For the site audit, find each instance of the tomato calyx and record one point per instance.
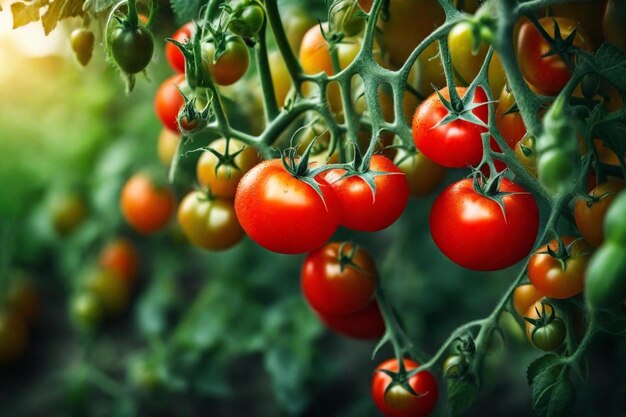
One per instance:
(592, 199)
(347, 259)
(562, 253)
(490, 188)
(401, 379)
(194, 115)
(544, 317)
(559, 45)
(548, 330)
(461, 109)
(228, 159)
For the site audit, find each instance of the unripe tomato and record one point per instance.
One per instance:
(167, 145)
(548, 336)
(86, 309)
(364, 324)
(247, 19)
(280, 77)
(131, 48)
(13, 336)
(222, 179)
(174, 57)
(68, 211)
(168, 101)
(23, 298)
(82, 41)
(605, 283)
(422, 174)
(210, 223)
(112, 291)
(589, 214)
(524, 296)
(120, 256)
(337, 281)
(396, 401)
(231, 65)
(614, 223)
(146, 206)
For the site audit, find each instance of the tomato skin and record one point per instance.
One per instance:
(614, 223)
(360, 210)
(223, 180)
(120, 256)
(231, 65)
(23, 298)
(110, 289)
(589, 215)
(82, 41)
(511, 125)
(86, 309)
(333, 291)
(248, 21)
(422, 174)
(525, 152)
(13, 336)
(280, 77)
(210, 224)
(549, 74)
(168, 101)
(174, 57)
(131, 48)
(605, 286)
(471, 230)
(524, 296)
(282, 213)
(398, 402)
(146, 206)
(547, 275)
(365, 324)
(68, 211)
(437, 143)
(166, 146)
(550, 336)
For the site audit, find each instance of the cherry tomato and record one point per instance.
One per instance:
(168, 101)
(586, 14)
(527, 155)
(132, 48)
(68, 211)
(338, 279)
(86, 309)
(247, 19)
(111, 290)
(557, 278)
(280, 77)
(283, 213)
(231, 65)
(297, 22)
(222, 179)
(508, 119)
(456, 144)
(13, 336)
(167, 145)
(548, 336)
(363, 209)
(524, 296)
(146, 206)
(477, 233)
(82, 41)
(422, 174)
(397, 401)
(120, 256)
(589, 214)
(547, 73)
(23, 298)
(174, 57)
(210, 223)
(364, 324)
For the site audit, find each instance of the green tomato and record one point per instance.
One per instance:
(550, 336)
(86, 309)
(454, 366)
(615, 221)
(247, 19)
(556, 169)
(131, 49)
(605, 279)
(344, 17)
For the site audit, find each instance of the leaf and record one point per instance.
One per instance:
(613, 134)
(553, 393)
(24, 14)
(186, 10)
(611, 64)
(539, 365)
(58, 10)
(96, 6)
(461, 395)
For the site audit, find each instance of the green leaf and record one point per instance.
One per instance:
(539, 365)
(461, 395)
(553, 393)
(611, 64)
(186, 10)
(24, 14)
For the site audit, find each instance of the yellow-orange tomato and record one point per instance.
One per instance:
(280, 77)
(167, 145)
(422, 174)
(120, 256)
(146, 206)
(524, 296)
(222, 180)
(589, 214)
(68, 211)
(509, 121)
(112, 291)
(527, 155)
(13, 336)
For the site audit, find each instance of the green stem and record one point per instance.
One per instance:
(291, 61)
(265, 76)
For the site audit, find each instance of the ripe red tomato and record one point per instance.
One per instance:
(547, 73)
(472, 230)
(231, 65)
(589, 214)
(363, 210)
(455, 144)
(397, 401)
(283, 213)
(146, 206)
(174, 57)
(554, 279)
(365, 324)
(336, 281)
(168, 101)
(121, 257)
(524, 296)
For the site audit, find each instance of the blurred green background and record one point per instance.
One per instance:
(218, 334)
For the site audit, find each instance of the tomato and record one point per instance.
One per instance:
(364, 324)
(247, 19)
(605, 286)
(174, 56)
(366, 210)
(454, 366)
(282, 213)
(167, 145)
(586, 14)
(614, 223)
(120, 256)
(131, 48)
(168, 101)
(554, 279)
(82, 41)
(146, 206)
(231, 65)
(23, 298)
(397, 401)
(589, 214)
(613, 23)
(422, 174)
(280, 77)
(86, 309)
(547, 73)
(472, 230)
(344, 17)
(524, 296)
(455, 144)
(296, 22)
(111, 290)
(68, 211)
(509, 121)
(525, 152)
(222, 178)
(430, 70)
(210, 223)
(339, 279)
(13, 336)
(549, 334)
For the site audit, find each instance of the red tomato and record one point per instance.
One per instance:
(455, 144)
(168, 101)
(283, 213)
(559, 280)
(548, 73)
(397, 401)
(338, 283)
(364, 210)
(121, 257)
(472, 230)
(365, 324)
(174, 57)
(146, 206)
(510, 124)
